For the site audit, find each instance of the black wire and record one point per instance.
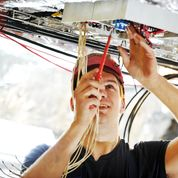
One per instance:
(6, 173)
(130, 103)
(135, 110)
(19, 25)
(9, 169)
(135, 86)
(112, 50)
(131, 115)
(138, 105)
(39, 44)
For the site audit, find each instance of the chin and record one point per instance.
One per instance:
(103, 114)
(105, 138)
(103, 120)
(102, 139)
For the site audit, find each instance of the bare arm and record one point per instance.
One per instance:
(54, 161)
(142, 65)
(166, 92)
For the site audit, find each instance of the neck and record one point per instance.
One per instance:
(108, 132)
(103, 148)
(107, 138)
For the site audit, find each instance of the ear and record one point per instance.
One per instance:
(71, 104)
(122, 109)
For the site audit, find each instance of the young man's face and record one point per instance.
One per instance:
(111, 102)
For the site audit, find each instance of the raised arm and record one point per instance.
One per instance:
(142, 65)
(53, 163)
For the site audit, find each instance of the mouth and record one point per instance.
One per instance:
(103, 107)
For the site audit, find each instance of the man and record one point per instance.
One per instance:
(111, 156)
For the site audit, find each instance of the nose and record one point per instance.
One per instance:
(103, 93)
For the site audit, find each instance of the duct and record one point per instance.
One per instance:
(132, 10)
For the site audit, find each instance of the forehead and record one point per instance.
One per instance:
(106, 76)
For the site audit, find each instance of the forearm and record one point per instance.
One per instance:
(54, 161)
(165, 91)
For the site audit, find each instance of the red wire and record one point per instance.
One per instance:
(99, 74)
(26, 47)
(50, 54)
(44, 52)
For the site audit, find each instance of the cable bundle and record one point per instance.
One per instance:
(89, 137)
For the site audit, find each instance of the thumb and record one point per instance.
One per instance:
(124, 56)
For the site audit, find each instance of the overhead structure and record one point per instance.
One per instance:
(132, 10)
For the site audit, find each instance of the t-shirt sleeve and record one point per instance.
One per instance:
(150, 159)
(34, 154)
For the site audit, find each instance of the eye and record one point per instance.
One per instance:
(110, 86)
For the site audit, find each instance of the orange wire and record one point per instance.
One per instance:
(99, 74)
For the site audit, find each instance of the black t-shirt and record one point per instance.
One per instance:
(145, 160)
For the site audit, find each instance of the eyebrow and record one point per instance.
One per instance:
(112, 81)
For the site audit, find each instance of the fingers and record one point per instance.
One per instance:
(146, 47)
(124, 55)
(91, 104)
(89, 75)
(136, 41)
(88, 93)
(141, 62)
(87, 97)
(87, 83)
(133, 35)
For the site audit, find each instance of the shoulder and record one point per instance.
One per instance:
(33, 155)
(148, 158)
(145, 146)
(151, 150)
(151, 146)
(37, 151)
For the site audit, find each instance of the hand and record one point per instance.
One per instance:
(141, 63)
(87, 98)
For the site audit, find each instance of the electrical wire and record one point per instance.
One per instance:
(38, 44)
(129, 103)
(51, 55)
(24, 46)
(137, 106)
(15, 24)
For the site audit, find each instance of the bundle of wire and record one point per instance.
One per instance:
(89, 137)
